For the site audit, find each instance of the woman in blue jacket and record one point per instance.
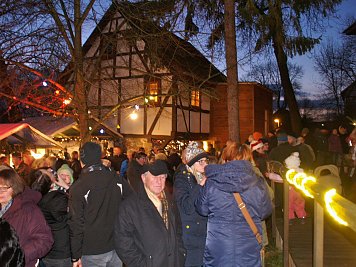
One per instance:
(230, 240)
(188, 180)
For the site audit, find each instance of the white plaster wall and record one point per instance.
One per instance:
(129, 126)
(164, 124)
(180, 120)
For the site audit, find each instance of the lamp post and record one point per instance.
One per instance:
(277, 121)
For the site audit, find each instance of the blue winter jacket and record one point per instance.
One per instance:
(186, 191)
(230, 240)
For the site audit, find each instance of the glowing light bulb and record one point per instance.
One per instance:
(133, 116)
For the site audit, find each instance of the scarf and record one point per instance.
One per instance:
(5, 208)
(160, 203)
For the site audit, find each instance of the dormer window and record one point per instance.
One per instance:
(153, 90)
(195, 98)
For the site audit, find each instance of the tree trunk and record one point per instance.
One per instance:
(232, 76)
(80, 96)
(281, 57)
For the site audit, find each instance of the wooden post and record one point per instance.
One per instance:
(318, 247)
(286, 224)
(274, 225)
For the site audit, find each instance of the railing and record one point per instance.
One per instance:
(325, 199)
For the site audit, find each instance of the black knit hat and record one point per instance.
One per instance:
(90, 153)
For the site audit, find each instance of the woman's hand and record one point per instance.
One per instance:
(203, 180)
(61, 183)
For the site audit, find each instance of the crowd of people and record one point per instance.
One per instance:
(192, 208)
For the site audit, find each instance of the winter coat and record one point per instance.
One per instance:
(134, 172)
(116, 161)
(27, 219)
(54, 206)
(281, 152)
(93, 204)
(335, 144)
(141, 237)
(186, 191)
(230, 240)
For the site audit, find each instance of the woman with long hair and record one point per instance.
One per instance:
(188, 180)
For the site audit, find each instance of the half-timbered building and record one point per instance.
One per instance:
(150, 84)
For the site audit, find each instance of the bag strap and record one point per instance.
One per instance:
(248, 218)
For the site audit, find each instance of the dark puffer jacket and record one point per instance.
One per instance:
(54, 206)
(27, 219)
(230, 240)
(186, 191)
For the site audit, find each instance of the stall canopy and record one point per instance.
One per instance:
(23, 133)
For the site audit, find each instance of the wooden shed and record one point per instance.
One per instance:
(255, 111)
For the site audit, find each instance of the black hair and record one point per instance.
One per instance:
(42, 181)
(11, 253)
(140, 155)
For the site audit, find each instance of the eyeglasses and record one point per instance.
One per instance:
(4, 188)
(203, 161)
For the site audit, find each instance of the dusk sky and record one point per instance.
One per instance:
(311, 77)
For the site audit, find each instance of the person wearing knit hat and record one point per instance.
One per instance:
(94, 199)
(194, 153)
(65, 175)
(257, 136)
(188, 180)
(256, 145)
(90, 154)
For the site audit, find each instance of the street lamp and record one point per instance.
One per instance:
(133, 115)
(277, 121)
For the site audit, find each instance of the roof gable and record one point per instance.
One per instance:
(164, 48)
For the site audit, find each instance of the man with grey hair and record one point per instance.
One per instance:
(148, 228)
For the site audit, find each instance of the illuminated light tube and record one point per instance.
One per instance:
(328, 198)
(298, 178)
(290, 174)
(309, 179)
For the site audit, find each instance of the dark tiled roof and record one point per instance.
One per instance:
(349, 91)
(351, 30)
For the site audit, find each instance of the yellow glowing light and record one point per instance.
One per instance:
(205, 145)
(277, 121)
(67, 101)
(298, 178)
(36, 155)
(309, 179)
(290, 174)
(133, 116)
(328, 198)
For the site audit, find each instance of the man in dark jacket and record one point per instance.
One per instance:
(75, 165)
(93, 204)
(148, 229)
(117, 158)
